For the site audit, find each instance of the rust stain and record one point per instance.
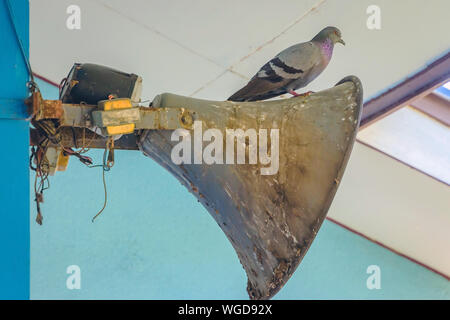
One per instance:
(45, 109)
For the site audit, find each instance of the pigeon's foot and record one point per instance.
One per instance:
(295, 94)
(306, 94)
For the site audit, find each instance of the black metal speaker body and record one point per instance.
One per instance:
(89, 83)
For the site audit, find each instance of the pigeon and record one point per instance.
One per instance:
(291, 69)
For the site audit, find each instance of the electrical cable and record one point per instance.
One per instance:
(52, 135)
(107, 164)
(32, 84)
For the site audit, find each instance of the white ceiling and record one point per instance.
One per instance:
(413, 138)
(209, 48)
(396, 206)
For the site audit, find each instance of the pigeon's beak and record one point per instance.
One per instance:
(341, 41)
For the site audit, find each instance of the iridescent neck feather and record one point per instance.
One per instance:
(327, 48)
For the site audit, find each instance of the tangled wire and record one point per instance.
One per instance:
(51, 136)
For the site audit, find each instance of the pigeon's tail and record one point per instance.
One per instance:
(242, 98)
(258, 89)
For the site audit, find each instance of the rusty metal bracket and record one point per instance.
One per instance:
(90, 116)
(44, 109)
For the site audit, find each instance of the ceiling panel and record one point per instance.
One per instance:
(223, 31)
(182, 45)
(412, 34)
(110, 39)
(413, 138)
(400, 207)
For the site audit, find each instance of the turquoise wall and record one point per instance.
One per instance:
(154, 241)
(14, 205)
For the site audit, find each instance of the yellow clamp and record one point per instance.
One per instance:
(129, 115)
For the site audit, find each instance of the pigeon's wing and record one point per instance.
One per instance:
(272, 79)
(299, 59)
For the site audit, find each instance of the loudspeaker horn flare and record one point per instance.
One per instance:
(270, 219)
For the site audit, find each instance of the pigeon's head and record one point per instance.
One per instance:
(332, 33)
